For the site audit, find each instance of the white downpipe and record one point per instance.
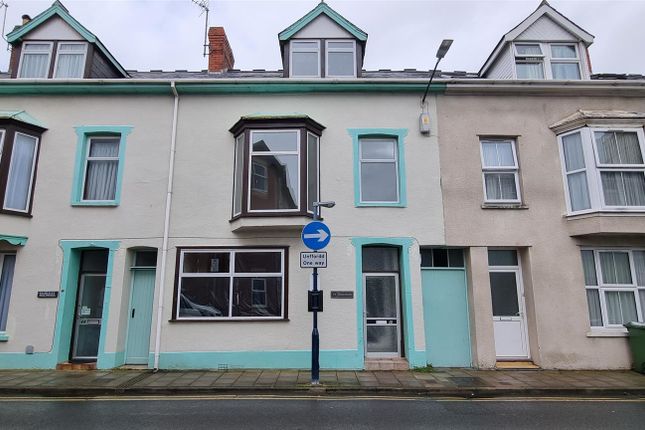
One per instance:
(166, 227)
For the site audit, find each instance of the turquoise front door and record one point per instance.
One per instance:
(140, 317)
(445, 310)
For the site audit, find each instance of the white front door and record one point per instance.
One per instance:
(509, 317)
(382, 319)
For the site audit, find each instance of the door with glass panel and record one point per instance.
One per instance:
(509, 316)
(89, 305)
(382, 302)
(89, 311)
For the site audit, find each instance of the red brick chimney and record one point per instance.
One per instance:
(220, 54)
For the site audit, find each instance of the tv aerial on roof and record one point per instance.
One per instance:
(204, 6)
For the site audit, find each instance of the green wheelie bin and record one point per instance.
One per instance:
(637, 344)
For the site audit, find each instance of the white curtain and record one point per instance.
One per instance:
(573, 153)
(6, 279)
(530, 71)
(589, 268)
(528, 50)
(593, 302)
(565, 71)
(617, 147)
(70, 66)
(615, 268)
(100, 183)
(34, 66)
(500, 186)
(639, 268)
(623, 188)
(621, 307)
(563, 51)
(22, 158)
(578, 191)
(498, 154)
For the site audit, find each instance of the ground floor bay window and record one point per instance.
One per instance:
(276, 166)
(230, 284)
(615, 285)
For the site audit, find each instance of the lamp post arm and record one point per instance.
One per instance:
(430, 81)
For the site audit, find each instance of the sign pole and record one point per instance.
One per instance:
(315, 339)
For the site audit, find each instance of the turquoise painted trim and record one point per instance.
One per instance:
(4, 337)
(121, 87)
(58, 9)
(84, 133)
(322, 7)
(67, 299)
(398, 133)
(14, 240)
(111, 360)
(297, 359)
(23, 117)
(20, 360)
(415, 358)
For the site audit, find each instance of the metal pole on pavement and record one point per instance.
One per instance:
(315, 337)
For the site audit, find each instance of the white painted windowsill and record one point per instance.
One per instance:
(608, 332)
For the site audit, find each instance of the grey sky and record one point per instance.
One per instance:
(168, 34)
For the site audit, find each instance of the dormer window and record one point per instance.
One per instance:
(35, 59)
(547, 61)
(307, 55)
(70, 60)
(305, 59)
(341, 58)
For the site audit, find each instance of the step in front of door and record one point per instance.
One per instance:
(387, 364)
(76, 366)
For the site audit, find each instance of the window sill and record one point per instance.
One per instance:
(504, 206)
(608, 332)
(108, 204)
(16, 213)
(237, 320)
(381, 205)
(4, 337)
(276, 222)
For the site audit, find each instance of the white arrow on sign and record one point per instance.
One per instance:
(321, 235)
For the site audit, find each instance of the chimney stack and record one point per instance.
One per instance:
(220, 54)
(25, 19)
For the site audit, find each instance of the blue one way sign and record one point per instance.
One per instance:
(316, 235)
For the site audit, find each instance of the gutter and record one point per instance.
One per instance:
(166, 228)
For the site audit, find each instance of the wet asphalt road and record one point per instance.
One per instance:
(326, 413)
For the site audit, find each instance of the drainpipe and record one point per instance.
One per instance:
(166, 227)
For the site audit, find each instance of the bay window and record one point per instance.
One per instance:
(276, 166)
(615, 286)
(604, 169)
(231, 284)
(19, 148)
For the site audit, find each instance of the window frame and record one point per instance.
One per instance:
(394, 160)
(58, 53)
(231, 275)
(328, 50)
(298, 153)
(242, 133)
(85, 134)
(317, 197)
(515, 169)
(3, 254)
(293, 49)
(593, 167)
(603, 287)
(546, 58)
(23, 53)
(398, 135)
(9, 129)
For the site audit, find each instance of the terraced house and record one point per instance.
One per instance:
(154, 218)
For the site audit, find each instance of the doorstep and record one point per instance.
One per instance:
(516, 365)
(76, 366)
(398, 363)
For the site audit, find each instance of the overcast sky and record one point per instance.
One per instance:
(168, 34)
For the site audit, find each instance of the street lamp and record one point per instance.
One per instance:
(424, 119)
(315, 337)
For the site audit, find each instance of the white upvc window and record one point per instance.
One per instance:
(615, 286)
(500, 171)
(230, 284)
(304, 59)
(340, 58)
(539, 60)
(22, 169)
(35, 59)
(70, 60)
(604, 169)
(379, 170)
(101, 168)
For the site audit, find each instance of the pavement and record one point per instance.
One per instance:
(464, 383)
